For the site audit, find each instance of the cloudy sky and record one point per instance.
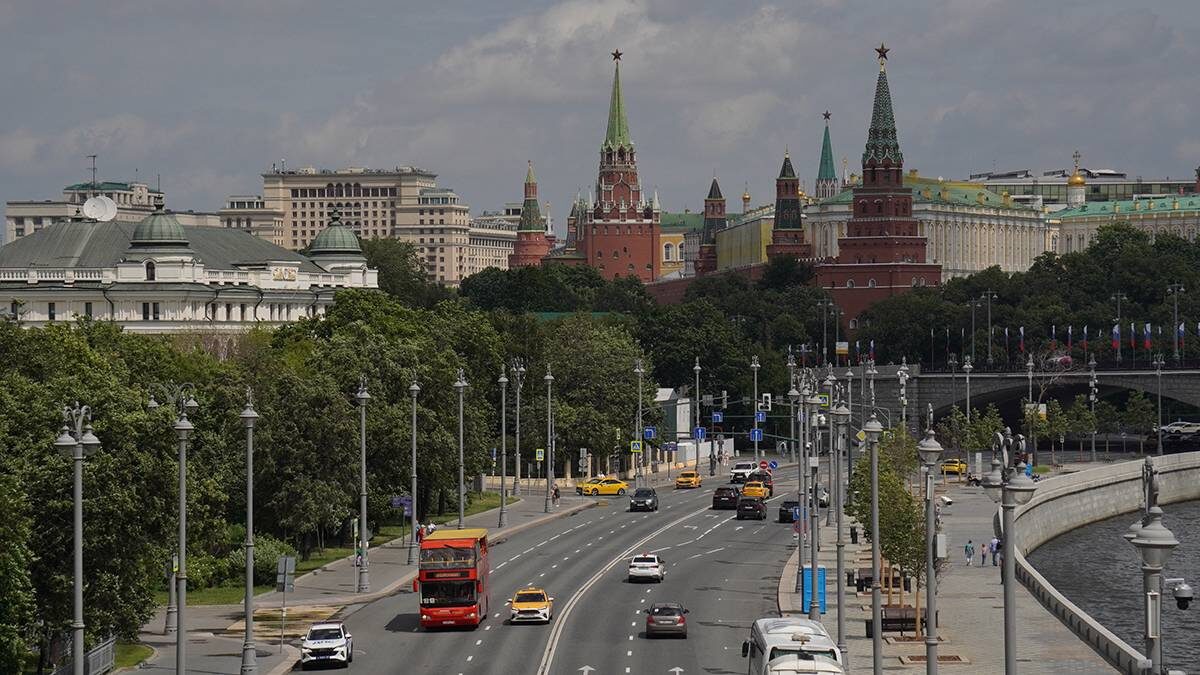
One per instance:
(208, 93)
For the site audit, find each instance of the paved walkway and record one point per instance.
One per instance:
(970, 604)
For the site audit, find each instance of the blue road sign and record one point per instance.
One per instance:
(698, 433)
(493, 454)
(397, 502)
(649, 433)
(756, 434)
(773, 464)
(795, 513)
(761, 416)
(718, 417)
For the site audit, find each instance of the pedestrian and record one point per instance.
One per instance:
(995, 546)
(969, 550)
(983, 552)
(420, 533)
(555, 494)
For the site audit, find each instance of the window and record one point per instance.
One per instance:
(849, 283)
(870, 283)
(145, 311)
(50, 313)
(853, 324)
(243, 311)
(150, 270)
(668, 252)
(87, 309)
(13, 308)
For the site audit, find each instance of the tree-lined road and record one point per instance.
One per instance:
(725, 571)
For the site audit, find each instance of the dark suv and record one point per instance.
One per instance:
(644, 499)
(751, 507)
(726, 497)
(766, 479)
(786, 515)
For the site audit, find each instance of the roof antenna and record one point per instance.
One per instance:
(93, 158)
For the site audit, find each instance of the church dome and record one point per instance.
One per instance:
(335, 239)
(1076, 179)
(158, 229)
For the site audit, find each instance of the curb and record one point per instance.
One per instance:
(290, 655)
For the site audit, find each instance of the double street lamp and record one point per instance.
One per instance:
(1093, 391)
(249, 651)
(518, 369)
(696, 407)
(1158, 364)
(754, 405)
(873, 429)
(967, 368)
(77, 441)
(362, 396)
(413, 390)
(1010, 488)
(841, 419)
(639, 461)
(183, 398)
(461, 385)
(930, 452)
(503, 381)
(549, 379)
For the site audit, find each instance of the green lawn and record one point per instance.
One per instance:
(1041, 468)
(129, 654)
(216, 595)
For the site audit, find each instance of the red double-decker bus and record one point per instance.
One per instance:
(453, 578)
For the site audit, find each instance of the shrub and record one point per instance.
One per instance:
(267, 550)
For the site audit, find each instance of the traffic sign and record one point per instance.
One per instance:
(762, 464)
(760, 416)
(401, 501)
(635, 447)
(285, 572)
(773, 465)
(539, 454)
(861, 435)
(493, 454)
(698, 433)
(718, 417)
(648, 433)
(756, 434)
(795, 513)
(824, 400)
(583, 454)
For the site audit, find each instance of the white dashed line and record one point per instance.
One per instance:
(554, 566)
(630, 637)
(470, 658)
(478, 642)
(487, 627)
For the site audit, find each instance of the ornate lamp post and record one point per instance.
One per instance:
(640, 371)
(518, 368)
(364, 579)
(791, 366)
(754, 407)
(930, 451)
(183, 398)
(872, 372)
(1010, 491)
(461, 385)
(1155, 543)
(967, 368)
(549, 379)
(841, 418)
(1118, 297)
(902, 375)
(1093, 390)
(249, 651)
(413, 390)
(873, 429)
(77, 441)
(503, 382)
(1175, 290)
(989, 295)
(1158, 364)
(696, 407)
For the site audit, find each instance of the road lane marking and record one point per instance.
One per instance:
(629, 653)
(470, 658)
(630, 637)
(487, 627)
(478, 642)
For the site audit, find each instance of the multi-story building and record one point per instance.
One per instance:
(1175, 214)
(134, 202)
(1051, 188)
(250, 213)
(158, 276)
(492, 240)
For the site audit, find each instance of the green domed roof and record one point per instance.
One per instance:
(335, 239)
(157, 229)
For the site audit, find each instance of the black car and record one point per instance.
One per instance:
(726, 498)
(765, 478)
(785, 511)
(644, 499)
(751, 507)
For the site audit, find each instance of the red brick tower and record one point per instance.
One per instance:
(714, 219)
(620, 235)
(883, 253)
(787, 235)
(531, 245)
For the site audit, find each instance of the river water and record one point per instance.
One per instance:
(1099, 571)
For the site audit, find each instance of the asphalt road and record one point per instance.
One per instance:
(724, 571)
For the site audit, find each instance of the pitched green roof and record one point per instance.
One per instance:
(531, 217)
(682, 222)
(617, 135)
(881, 138)
(105, 186)
(826, 171)
(931, 191)
(1124, 209)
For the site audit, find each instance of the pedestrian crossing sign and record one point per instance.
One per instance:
(540, 454)
(635, 447)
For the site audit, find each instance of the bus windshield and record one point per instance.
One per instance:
(447, 593)
(447, 557)
(804, 654)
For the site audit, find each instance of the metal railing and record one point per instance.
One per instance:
(100, 659)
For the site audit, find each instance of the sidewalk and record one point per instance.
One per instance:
(215, 631)
(970, 604)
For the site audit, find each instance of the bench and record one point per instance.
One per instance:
(898, 620)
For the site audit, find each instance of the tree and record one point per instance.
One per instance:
(1056, 424)
(16, 591)
(783, 272)
(1080, 420)
(953, 432)
(1108, 421)
(981, 432)
(1139, 417)
(401, 272)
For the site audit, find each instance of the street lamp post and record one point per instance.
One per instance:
(952, 361)
(549, 380)
(249, 651)
(518, 368)
(831, 470)
(801, 476)
(850, 423)
(640, 371)
(967, 368)
(77, 441)
(1158, 366)
(824, 305)
(364, 583)
(696, 406)
(413, 390)
(1011, 490)
(460, 384)
(814, 608)
(930, 451)
(791, 366)
(989, 295)
(841, 418)
(902, 375)
(1092, 392)
(183, 398)
(1118, 297)
(754, 407)
(872, 372)
(974, 304)
(1029, 414)
(1155, 543)
(873, 429)
(1174, 290)
(503, 381)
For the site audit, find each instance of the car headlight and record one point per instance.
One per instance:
(471, 615)
(305, 650)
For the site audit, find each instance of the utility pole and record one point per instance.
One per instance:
(989, 295)
(637, 368)
(549, 379)
(1118, 297)
(754, 407)
(362, 397)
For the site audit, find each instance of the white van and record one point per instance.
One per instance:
(788, 645)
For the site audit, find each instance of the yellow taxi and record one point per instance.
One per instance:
(955, 466)
(585, 488)
(688, 479)
(755, 489)
(607, 486)
(531, 605)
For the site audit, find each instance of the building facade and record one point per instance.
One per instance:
(1175, 214)
(882, 253)
(249, 213)
(1051, 189)
(134, 202)
(158, 276)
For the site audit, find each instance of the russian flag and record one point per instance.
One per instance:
(1146, 338)
(1116, 336)
(1021, 344)
(1053, 337)
(1132, 335)
(1085, 331)
(1070, 338)
(1179, 334)
(872, 350)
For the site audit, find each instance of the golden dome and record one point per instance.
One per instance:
(1076, 179)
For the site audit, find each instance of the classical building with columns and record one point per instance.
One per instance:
(967, 227)
(1175, 214)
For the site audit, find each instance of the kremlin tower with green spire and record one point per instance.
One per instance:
(532, 242)
(883, 252)
(787, 235)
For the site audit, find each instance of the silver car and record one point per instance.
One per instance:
(666, 618)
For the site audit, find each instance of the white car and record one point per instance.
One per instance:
(647, 566)
(327, 642)
(741, 471)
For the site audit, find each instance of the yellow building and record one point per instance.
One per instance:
(743, 242)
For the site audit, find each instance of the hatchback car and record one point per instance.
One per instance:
(751, 507)
(755, 489)
(647, 566)
(531, 605)
(786, 514)
(726, 498)
(327, 642)
(688, 479)
(643, 499)
(666, 618)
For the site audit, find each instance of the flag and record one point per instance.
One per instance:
(858, 349)
(1021, 344)
(1053, 338)
(1006, 342)
(1179, 333)
(1070, 338)
(1132, 335)
(1116, 336)
(1146, 338)
(1085, 338)
(872, 356)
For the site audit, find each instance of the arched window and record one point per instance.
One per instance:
(853, 324)
(150, 270)
(870, 283)
(849, 283)
(615, 254)
(668, 251)
(599, 254)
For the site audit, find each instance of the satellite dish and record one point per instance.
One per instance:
(100, 208)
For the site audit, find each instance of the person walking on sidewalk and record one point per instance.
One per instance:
(994, 545)
(969, 551)
(983, 553)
